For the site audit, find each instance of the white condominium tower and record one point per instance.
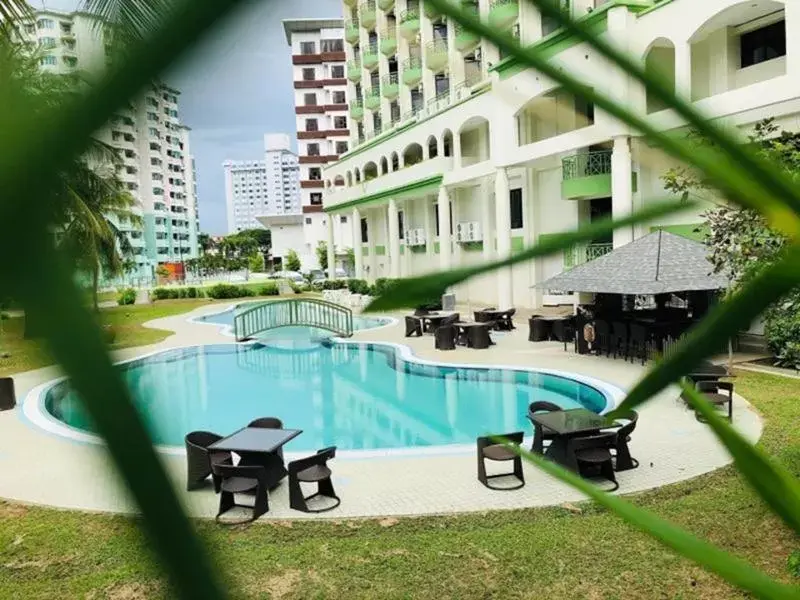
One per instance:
(157, 167)
(461, 155)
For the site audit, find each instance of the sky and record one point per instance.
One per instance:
(236, 87)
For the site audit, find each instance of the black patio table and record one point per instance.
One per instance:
(566, 424)
(431, 321)
(464, 328)
(258, 446)
(708, 371)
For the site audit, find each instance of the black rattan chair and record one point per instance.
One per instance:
(481, 316)
(489, 450)
(199, 459)
(712, 391)
(639, 342)
(504, 320)
(619, 339)
(267, 423)
(445, 337)
(593, 456)
(413, 327)
(312, 469)
(242, 479)
(541, 434)
(564, 331)
(479, 338)
(602, 337)
(622, 454)
(538, 330)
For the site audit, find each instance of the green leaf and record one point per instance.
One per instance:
(732, 569)
(776, 486)
(419, 290)
(722, 323)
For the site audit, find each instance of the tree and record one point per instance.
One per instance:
(350, 260)
(292, 261)
(205, 242)
(322, 255)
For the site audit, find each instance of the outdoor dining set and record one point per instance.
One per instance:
(450, 331)
(260, 468)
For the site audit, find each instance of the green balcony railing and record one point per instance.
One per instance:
(390, 86)
(354, 70)
(372, 98)
(580, 254)
(356, 110)
(503, 13)
(409, 24)
(412, 71)
(466, 40)
(351, 31)
(388, 42)
(586, 164)
(368, 14)
(386, 5)
(369, 56)
(436, 57)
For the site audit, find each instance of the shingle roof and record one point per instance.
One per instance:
(658, 263)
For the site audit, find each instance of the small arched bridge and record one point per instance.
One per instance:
(302, 312)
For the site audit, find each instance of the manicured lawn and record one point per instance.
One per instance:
(570, 553)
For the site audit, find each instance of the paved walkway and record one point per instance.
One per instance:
(671, 445)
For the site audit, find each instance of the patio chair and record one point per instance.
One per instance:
(312, 469)
(445, 337)
(413, 327)
(623, 461)
(489, 450)
(593, 456)
(504, 320)
(602, 337)
(538, 330)
(564, 331)
(479, 338)
(713, 392)
(421, 311)
(199, 459)
(242, 479)
(541, 434)
(481, 316)
(639, 342)
(619, 339)
(269, 423)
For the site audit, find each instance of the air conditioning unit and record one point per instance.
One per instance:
(415, 237)
(468, 231)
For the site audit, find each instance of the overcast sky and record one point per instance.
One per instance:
(235, 88)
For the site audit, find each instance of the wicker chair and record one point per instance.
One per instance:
(199, 459)
(602, 337)
(413, 327)
(504, 320)
(479, 338)
(445, 337)
(564, 331)
(482, 317)
(268, 423)
(622, 454)
(712, 391)
(593, 456)
(538, 330)
(242, 479)
(540, 433)
(489, 450)
(619, 339)
(312, 469)
(639, 342)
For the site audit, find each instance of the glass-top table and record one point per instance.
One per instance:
(572, 421)
(255, 439)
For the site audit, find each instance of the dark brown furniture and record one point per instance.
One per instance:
(639, 342)
(431, 321)
(540, 433)
(413, 326)
(490, 450)
(199, 459)
(602, 337)
(475, 335)
(268, 423)
(312, 469)
(718, 393)
(593, 456)
(623, 461)
(504, 320)
(259, 447)
(445, 337)
(538, 329)
(567, 424)
(242, 479)
(8, 398)
(564, 331)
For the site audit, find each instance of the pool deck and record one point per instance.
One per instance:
(44, 468)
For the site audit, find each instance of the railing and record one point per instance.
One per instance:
(586, 164)
(578, 255)
(413, 62)
(304, 312)
(409, 15)
(472, 11)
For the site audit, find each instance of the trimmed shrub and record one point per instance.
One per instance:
(358, 286)
(191, 292)
(269, 289)
(126, 297)
(224, 291)
(299, 289)
(334, 284)
(173, 293)
(383, 286)
(159, 294)
(782, 330)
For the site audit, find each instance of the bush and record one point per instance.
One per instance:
(334, 284)
(269, 289)
(358, 286)
(126, 297)
(299, 289)
(159, 294)
(383, 286)
(782, 330)
(224, 291)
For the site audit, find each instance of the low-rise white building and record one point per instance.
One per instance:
(461, 155)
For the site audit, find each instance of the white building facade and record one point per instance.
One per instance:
(461, 156)
(323, 127)
(156, 163)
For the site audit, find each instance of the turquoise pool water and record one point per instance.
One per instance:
(354, 396)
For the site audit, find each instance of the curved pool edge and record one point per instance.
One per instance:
(35, 412)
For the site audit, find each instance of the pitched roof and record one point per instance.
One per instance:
(658, 263)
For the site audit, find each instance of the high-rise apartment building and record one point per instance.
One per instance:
(156, 165)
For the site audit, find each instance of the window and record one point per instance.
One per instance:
(332, 45)
(45, 24)
(400, 227)
(316, 198)
(310, 99)
(515, 197)
(343, 219)
(47, 42)
(308, 48)
(308, 220)
(549, 25)
(341, 147)
(312, 150)
(339, 97)
(312, 125)
(364, 231)
(309, 74)
(315, 174)
(340, 122)
(48, 60)
(763, 44)
(337, 72)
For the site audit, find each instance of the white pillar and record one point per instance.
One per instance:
(502, 215)
(331, 249)
(683, 69)
(445, 235)
(487, 226)
(357, 244)
(622, 188)
(456, 150)
(430, 231)
(394, 239)
(372, 231)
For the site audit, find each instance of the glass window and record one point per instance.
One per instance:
(364, 231)
(312, 150)
(45, 24)
(309, 74)
(341, 147)
(343, 219)
(48, 60)
(332, 45)
(308, 220)
(308, 48)
(316, 198)
(515, 198)
(47, 42)
(339, 97)
(310, 99)
(315, 174)
(340, 122)
(400, 227)
(337, 72)
(763, 44)
(312, 125)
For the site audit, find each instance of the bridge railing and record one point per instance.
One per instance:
(306, 312)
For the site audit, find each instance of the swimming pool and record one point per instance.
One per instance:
(355, 396)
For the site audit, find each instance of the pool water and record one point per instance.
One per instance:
(354, 396)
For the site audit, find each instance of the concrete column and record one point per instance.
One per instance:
(487, 225)
(357, 244)
(456, 150)
(445, 234)
(622, 188)
(394, 239)
(502, 216)
(430, 230)
(331, 249)
(683, 69)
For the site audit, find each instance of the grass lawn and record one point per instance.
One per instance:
(583, 552)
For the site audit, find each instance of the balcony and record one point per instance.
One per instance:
(386, 5)
(578, 255)
(431, 12)
(390, 86)
(503, 14)
(412, 71)
(369, 56)
(354, 71)
(409, 25)
(466, 40)
(351, 33)
(368, 14)
(388, 42)
(350, 3)
(372, 99)
(586, 175)
(436, 57)
(356, 110)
